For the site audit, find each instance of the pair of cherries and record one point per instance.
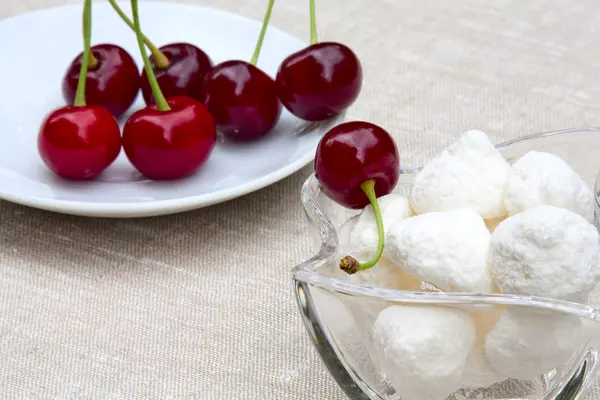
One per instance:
(79, 142)
(113, 78)
(314, 84)
(169, 139)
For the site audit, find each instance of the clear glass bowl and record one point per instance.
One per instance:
(339, 314)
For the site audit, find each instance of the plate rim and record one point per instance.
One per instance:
(170, 206)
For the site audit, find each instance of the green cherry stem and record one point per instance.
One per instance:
(161, 102)
(313, 22)
(160, 59)
(263, 31)
(92, 60)
(351, 265)
(87, 39)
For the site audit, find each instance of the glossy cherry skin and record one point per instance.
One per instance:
(242, 99)
(184, 75)
(165, 145)
(79, 143)
(113, 84)
(319, 81)
(351, 153)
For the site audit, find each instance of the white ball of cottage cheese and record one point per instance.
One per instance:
(540, 178)
(447, 249)
(423, 349)
(355, 239)
(545, 251)
(524, 344)
(470, 173)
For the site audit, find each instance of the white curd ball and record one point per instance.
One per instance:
(540, 178)
(423, 349)
(470, 173)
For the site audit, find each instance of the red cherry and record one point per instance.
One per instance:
(113, 83)
(352, 153)
(78, 143)
(242, 99)
(178, 67)
(319, 81)
(357, 162)
(183, 77)
(170, 144)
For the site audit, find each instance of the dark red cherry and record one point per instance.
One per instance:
(319, 81)
(352, 153)
(112, 83)
(187, 66)
(242, 99)
(356, 163)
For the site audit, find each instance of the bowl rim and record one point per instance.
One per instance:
(306, 271)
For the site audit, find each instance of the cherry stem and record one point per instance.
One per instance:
(161, 102)
(313, 23)
(87, 39)
(160, 59)
(350, 264)
(92, 60)
(263, 31)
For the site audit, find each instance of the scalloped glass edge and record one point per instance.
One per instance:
(306, 272)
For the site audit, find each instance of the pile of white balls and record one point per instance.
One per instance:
(474, 223)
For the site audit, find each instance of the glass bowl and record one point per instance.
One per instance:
(553, 353)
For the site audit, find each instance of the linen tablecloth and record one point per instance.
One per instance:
(200, 305)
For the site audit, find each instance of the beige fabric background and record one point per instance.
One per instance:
(200, 305)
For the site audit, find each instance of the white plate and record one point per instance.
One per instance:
(37, 48)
